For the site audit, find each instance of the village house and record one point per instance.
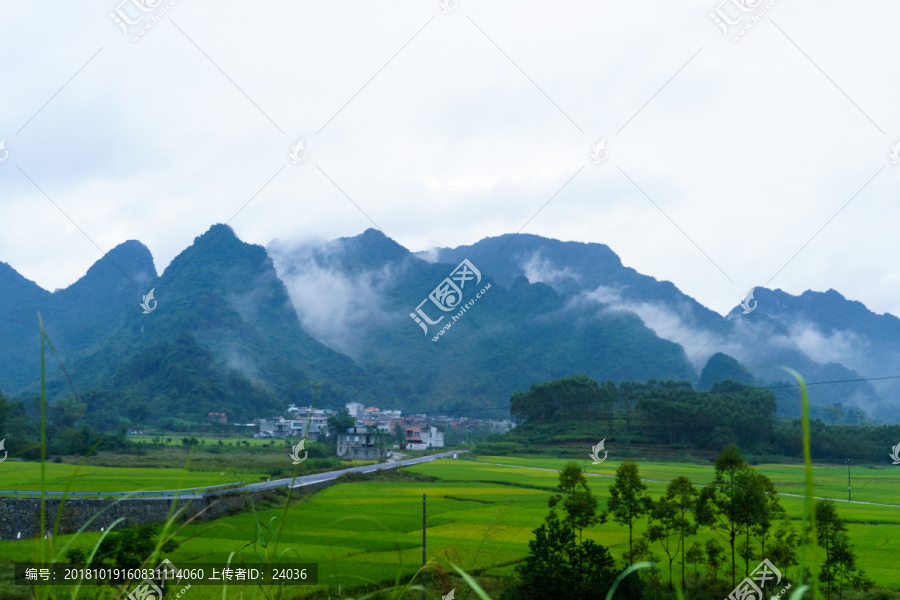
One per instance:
(358, 444)
(217, 417)
(283, 428)
(420, 438)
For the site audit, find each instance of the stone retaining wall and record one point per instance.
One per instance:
(20, 518)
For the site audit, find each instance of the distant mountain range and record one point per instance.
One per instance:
(245, 329)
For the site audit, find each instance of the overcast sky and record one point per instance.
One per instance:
(725, 158)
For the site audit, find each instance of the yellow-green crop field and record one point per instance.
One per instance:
(482, 516)
(20, 475)
(174, 439)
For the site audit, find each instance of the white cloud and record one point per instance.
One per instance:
(541, 269)
(333, 307)
(430, 256)
(667, 323)
(750, 149)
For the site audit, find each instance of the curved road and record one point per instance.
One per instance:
(329, 475)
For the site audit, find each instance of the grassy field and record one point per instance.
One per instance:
(27, 476)
(208, 464)
(20, 475)
(174, 439)
(870, 483)
(482, 516)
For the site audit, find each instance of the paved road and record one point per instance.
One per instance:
(307, 479)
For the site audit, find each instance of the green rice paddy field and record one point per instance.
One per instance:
(481, 515)
(18, 475)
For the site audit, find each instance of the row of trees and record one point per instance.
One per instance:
(65, 430)
(674, 413)
(663, 411)
(740, 505)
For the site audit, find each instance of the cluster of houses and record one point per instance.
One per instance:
(361, 441)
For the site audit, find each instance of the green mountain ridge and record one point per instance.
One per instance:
(244, 329)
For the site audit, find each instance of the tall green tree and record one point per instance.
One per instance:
(399, 432)
(682, 493)
(718, 505)
(580, 504)
(628, 501)
(559, 567)
(829, 529)
(840, 563)
(694, 556)
(339, 422)
(715, 556)
(783, 550)
(663, 526)
(754, 508)
(771, 511)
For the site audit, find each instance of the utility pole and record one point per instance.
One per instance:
(423, 548)
(849, 498)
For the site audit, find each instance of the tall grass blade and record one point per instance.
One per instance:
(626, 573)
(471, 582)
(43, 437)
(809, 516)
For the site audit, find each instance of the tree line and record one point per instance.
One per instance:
(740, 506)
(674, 413)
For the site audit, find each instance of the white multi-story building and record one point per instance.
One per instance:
(432, 436)
(355, 409)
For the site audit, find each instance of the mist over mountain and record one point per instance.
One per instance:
(519, 333)
(245, 329)
(223, 336)
(822, 335)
